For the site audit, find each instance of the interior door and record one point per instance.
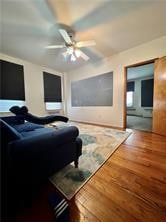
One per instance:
(159, 97)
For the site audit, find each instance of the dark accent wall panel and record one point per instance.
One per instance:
(52, 87)
(147, 93)
(11, 81)
(94, 91)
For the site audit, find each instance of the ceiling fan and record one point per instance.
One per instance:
(72, 47)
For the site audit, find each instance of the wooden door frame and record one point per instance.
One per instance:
(125, 86)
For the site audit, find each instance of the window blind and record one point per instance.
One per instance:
(11, 81)
(130, 86)
(52, 87)
(147, 93)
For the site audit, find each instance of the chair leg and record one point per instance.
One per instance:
(76, 163)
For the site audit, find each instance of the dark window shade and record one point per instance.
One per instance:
(130, 86)
(52, 88)
(12, 81)
(147, 93)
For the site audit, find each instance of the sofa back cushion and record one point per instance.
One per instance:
(13, 120)
(26, 127)
(8, 133)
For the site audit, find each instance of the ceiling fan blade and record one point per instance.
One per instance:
(65, 35)
(55, 46)
(84, 56)
(85, 43)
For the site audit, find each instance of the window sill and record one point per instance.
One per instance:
(53, 111)
(4, 114)
(150, 108)
(131, 108)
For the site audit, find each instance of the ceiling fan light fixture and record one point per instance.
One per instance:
(70, 50)
(77, 53)
(73, 58)
(72, 47)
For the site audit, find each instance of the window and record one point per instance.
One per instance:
(53, 106)
(12, 85)
(129, 99)
(130, 93)
(130, 86)
(6, 104)
(52, 91)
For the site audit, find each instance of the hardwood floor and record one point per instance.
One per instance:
(131, 186)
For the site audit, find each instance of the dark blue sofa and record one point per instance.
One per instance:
(31, 153)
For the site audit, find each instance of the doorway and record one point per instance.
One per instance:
(139, 96)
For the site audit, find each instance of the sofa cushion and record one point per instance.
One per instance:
(26, 127)
(8, 133)
(37, 132)
(13, 120)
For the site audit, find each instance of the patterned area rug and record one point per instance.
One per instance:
(98, 145)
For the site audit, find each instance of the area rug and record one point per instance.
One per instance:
(98, 145)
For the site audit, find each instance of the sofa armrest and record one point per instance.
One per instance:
(44, 141)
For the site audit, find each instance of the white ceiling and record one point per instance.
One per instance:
(140, 71)
(30, 25)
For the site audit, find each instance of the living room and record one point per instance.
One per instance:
(92, 94)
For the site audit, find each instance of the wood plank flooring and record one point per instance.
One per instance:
(131, 186)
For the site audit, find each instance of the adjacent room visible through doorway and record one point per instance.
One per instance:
(139, 97)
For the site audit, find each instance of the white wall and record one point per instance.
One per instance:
(33, 78)
(112, 116)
